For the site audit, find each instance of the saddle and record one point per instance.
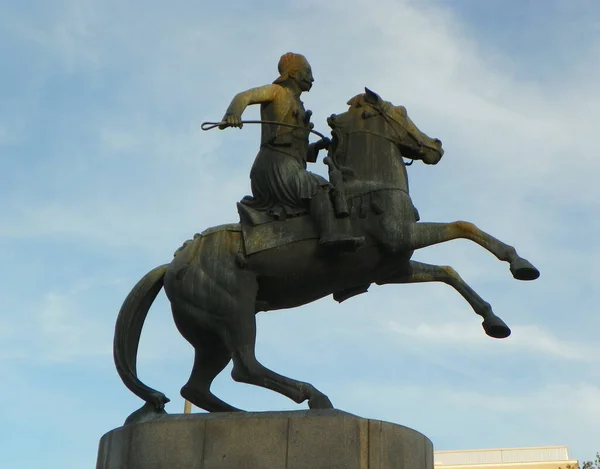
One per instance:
(263, 230)
(260, 231)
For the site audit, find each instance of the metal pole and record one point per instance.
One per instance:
(187, 407)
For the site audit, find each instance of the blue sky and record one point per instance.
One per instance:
(105, 173)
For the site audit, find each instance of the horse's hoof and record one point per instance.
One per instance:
(147, 413)
(522, 269)
(496, 328)
(320, 402)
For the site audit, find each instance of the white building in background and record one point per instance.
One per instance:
(545, 457)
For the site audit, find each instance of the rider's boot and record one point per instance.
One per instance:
(335, 235)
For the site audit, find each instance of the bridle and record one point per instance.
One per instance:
(391, 121)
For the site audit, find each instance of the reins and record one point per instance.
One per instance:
(211, 125)
(389, 119)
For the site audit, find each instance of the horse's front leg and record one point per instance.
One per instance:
(421, 235)
(418, 272)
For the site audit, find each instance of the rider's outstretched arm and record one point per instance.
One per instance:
(259, 95)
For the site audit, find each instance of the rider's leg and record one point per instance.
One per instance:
(335, 234)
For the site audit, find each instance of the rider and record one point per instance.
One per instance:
(279, 180)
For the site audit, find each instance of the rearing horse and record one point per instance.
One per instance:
(216, 286)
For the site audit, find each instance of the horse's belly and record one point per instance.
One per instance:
(296, 274)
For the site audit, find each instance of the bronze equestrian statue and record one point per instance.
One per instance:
(301, 238)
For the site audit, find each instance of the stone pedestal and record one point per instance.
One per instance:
(328, 439)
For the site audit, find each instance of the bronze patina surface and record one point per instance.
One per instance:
(301, 238)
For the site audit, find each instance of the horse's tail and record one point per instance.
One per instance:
(127, 335)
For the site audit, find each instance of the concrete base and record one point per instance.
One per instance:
(324, 439)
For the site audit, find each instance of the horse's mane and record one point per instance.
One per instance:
(357, 101)
(360, 101)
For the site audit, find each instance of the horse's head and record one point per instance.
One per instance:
(397, 127)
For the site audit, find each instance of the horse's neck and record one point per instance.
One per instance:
(371, 157)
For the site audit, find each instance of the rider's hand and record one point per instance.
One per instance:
(323, 144)
(231, 121)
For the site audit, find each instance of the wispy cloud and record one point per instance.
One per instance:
(530, 339)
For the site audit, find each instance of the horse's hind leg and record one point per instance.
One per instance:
(427, 234)
(247, 369)
(210, 359)
(214, 293)
(418, 272)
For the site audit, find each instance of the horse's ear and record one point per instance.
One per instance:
(371, 97)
